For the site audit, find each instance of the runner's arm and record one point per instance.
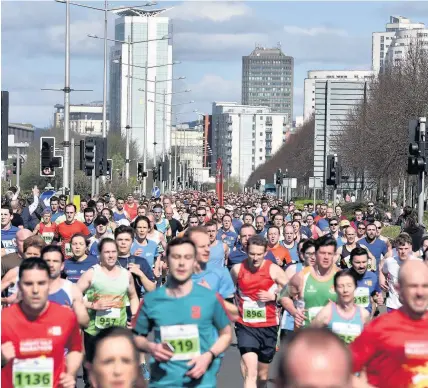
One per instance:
(226, 253)
(74, 361)
(8, 279)
(36, 230)
(85, 281)
(234, 272)
(133, 297)
(79, 307)
(322, 317)
(278, 276)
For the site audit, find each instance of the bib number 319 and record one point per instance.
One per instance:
(184, 339)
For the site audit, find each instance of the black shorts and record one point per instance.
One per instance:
(259, 340)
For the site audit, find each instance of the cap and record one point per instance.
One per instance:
(101, 220)
(229, 208)
(46, 211)
(344, 223)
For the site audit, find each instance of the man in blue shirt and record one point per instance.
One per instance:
(237, 222)
(376, 246)
(8, 231)
(89, 215)
(225, 234)
(239, 254)
(56, 212)
(261, 226)
(184, 317)
(368, 293)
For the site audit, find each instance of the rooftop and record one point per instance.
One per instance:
(264, 51)
(139, 12)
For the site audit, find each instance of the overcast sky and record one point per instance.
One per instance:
(209, 39)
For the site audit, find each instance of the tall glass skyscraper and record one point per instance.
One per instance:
(267, 80)
(136, 26)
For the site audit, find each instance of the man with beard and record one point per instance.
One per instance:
(376, 247)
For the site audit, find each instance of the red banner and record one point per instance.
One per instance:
(219, 181)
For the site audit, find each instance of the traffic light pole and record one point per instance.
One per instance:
(72, 168)
(93, 178)
(18, 165)
(421, 198)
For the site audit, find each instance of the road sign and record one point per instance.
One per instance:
(46, 196)
(290, 182)
(156, 192)
(315, 182)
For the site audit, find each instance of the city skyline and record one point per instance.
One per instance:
(209, 39)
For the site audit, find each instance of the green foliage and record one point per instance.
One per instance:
(391, 231)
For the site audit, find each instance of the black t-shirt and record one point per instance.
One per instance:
(144, 266)
(17, 220)
(176, 227)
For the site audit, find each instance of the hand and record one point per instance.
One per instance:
(223, 236)
(299, 318)
(160, 352)
(279, 261)
(383, 284)
(102, 305)
(199, 365)
(378, 298)
(138, 252)
(7, 352)
(135, 269)
(204, 283)
(266, 296)
(66, 380)
(36, 192)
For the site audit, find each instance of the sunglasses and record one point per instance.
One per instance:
(201, 214)
(334, 224)
(361, 228)
(370, 205)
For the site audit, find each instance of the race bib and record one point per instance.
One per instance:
(107, 318)
(313, 312)
(254, 312)
(48, 237)
(184, 339)
(362, 297)
(10, 246)
(67, 249)
(33, 373)
(346, 331)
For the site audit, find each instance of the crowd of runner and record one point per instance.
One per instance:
(153, 292)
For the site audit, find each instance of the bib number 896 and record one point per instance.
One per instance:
(35, 379)
(254, 314)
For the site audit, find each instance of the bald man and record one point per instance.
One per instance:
(14, 259)
(400, 358)
(328, 361)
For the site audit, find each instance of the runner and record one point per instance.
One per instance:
(80, 262)
(184, 317)
(114, 359)
(89, 215)
(12, 260)
(8, 231)
(290, 243)
(344, 317)
(162, 224)
(313, 286)
(225, 233)
(399, 359)
(108, 288)
(261, 226)
(257, 281)
(282, 254)
(35, 334)
(47, 229)
(219, 251)
(120, 213)
(101, 231)
(131, 207)
(63, 291)
(376, 247)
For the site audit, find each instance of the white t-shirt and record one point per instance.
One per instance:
(391, 268)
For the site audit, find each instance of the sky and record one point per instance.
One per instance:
(209, 39)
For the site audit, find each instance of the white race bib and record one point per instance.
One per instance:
(33, 373)
(67, 249)
(48, 237)
(184, 339)
(347, 331)
(362, 296)
(313, 312)
(254, 311)
(107, 318)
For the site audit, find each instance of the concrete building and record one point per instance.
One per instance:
(86, 119)
(267, 79)
(324, 75)
(333, 101)
(392, 43)
(245, 136)
(136, 26)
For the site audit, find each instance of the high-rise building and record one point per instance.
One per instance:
(128, 73)
(324, 75)
(391, 44)
(267, 80)
(245, 136)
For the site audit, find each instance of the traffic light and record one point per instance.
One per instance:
(109, 170)
(155, 174)
(48, 160)
(334, 171)
(88, 158)
(100, 156)
(258, 184)
(140, 171)
(14, 167)
(416, 160)
(279, 177)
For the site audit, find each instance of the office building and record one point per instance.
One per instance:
(267, 80)
(391, 44)
(245, 136)
(85, 119)
(128, 85)
(324, 75)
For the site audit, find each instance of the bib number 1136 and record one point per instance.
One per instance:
(33, 373)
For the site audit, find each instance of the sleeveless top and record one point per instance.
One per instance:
(64, 295)
(111, 289)
(253, 313)
(216, 259)
(316, 293)
(47, 233)
(287, 321)
(344, 256)
(313, 230)
(346, 329)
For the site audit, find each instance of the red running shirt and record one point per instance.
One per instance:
(394, 351)
(251, 312)
(66, 231)
(39, 345)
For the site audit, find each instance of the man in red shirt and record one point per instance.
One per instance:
(66, 230)
(35, 334)
(131, 207)
(393, 349)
